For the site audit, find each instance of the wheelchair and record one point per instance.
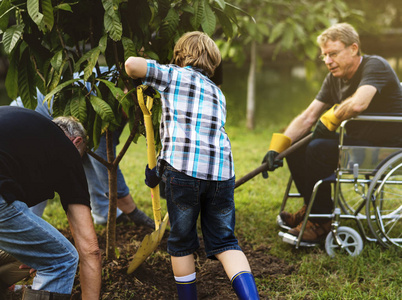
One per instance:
(367, 188)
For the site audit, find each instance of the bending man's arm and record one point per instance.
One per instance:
(86, 242)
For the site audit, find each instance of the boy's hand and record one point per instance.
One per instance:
(151, 179)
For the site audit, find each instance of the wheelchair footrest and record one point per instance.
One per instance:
(291, 239)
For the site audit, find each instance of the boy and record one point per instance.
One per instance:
(197, 162)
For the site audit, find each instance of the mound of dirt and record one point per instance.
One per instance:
(154, 278)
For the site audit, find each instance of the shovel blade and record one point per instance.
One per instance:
(148, 245)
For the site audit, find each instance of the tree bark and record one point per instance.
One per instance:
(251, 88)
(111, 219)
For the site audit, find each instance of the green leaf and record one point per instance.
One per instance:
(12, 77)
(57, 60)
(48, 17)
(152, 55)
(59, 88)
(91, 63)
(126, 102)
(78, 108)
(26, 82)
(33, 11)
(111, 20)
(5, 9)
(67, 110)
(276, 32)
(55, 76)
(11, 37)
(209, 21)
(83, 58)
(227, 26)
(97, 131)
(187, 8)
(221, 3)
(58, 107)
(196, 19)
(288, 38)
(102, 108)
(129, 48)
(63, 6)
(117, 92)
(103, 44)
(169, 24)
(311, 50)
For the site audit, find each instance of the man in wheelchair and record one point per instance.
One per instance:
(356, 84)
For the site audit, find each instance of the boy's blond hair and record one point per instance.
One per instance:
(342, 32)
(198, 50)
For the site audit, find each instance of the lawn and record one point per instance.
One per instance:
(375, 274)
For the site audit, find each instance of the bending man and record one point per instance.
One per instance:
(39, 157)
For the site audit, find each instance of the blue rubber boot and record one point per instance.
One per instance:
(244, 285)
(186, 289)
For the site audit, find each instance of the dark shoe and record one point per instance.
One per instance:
(141, 219)
(30, 294)
(292, 220)
(313, 231)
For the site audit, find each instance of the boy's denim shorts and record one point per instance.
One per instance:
(187, 197)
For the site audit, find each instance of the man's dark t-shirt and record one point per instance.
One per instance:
(37, 159)
(374, 71)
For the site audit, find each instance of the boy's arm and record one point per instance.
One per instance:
(136, 67)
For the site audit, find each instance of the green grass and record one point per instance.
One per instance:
(375, 274)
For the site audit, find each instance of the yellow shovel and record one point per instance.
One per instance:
(150, 241)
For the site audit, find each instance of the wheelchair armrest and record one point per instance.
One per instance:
(383, 117)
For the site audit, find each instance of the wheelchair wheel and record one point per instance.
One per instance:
(384, 203)
(351, 242)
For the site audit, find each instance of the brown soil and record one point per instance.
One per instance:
(154, 278)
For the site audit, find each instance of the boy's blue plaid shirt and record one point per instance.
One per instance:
(192, 130)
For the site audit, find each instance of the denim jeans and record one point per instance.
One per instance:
(36, 243)
(187, 197)
(315, 161)
(98, 181)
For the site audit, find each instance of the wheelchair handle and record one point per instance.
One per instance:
(281, 155)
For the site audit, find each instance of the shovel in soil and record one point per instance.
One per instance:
(150, 241)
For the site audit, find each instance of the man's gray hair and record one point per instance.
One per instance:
(72, 128)
(342, 32)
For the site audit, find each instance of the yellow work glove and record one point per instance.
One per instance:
(279, 143)
(327, 125)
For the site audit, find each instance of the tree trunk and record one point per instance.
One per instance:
(251, 88)
(111, 219)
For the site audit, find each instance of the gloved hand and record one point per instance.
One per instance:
(327, 125)
(279, 142)
(151, 178)
(272, 163)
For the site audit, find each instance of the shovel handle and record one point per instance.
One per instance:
(149, 132)
(281, 155)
